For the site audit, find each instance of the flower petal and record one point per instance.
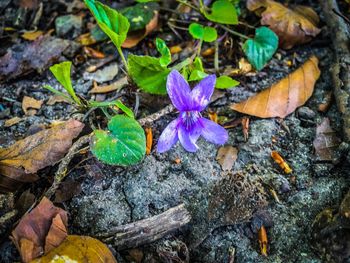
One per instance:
(179, 91)
(202, 92)
(189, 137)
(168, 137)
(213, 132)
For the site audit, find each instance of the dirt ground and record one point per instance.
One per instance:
(110, 196)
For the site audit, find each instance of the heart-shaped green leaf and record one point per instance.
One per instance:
(148, 73)
(61, 72)
(111, 22)
(123, 144)
(207, 34)
(222, 11)
(261, 49)
(225, 82)
(163, 49)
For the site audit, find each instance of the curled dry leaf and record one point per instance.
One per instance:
(20, 161)
(40, 231)
(135, 37)
(149, 140)
(115, 86)
(12, 121)
(262, 236)
(79, 249)
(326, 141)
(28, 104)
(297, 25)
(226, 157)
(282, 98)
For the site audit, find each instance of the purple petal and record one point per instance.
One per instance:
(189, 137)
(168, 137)
(202, 92)
(213, 132)
(179, 91)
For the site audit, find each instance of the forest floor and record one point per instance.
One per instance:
(99, 197)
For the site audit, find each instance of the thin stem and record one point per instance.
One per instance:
(234, 32)
(123, 58)
(184, 2)
(216, 57)
(199, 47)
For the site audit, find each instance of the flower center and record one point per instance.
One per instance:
(189, 118)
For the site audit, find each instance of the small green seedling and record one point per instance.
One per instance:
(124, 143)
(206, 34)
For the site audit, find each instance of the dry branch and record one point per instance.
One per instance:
(147, 230)
(341, 68)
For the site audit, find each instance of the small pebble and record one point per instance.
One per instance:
(306, 113)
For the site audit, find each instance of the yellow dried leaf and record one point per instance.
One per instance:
(78, 249)
(12, 121)
(115, 86)
(282, 98)
(32, 35)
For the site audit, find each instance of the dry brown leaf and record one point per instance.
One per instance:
(135, 37)
(79, 249)
(93, 53)
(41, 230)
(12, 121)
(28, 104)
(175, 49)
(22, 160)
(326, 141)
(297, 25)
(56, 99)
(282, 98)
(115, 86)
(226, 157)
(149, 140)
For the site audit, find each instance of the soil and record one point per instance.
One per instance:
(110, 196)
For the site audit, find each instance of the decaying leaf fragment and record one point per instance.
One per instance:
(226, 157)
(296, 25)
(40, 231)
(326, 141)
(149, 140)
(282, 98)
(79, 249)
(262, 236)
(281, 162)
(21, 160)
(30, 105)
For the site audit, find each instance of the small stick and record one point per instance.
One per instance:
(147, 230)
(157, 115)
(62, 168)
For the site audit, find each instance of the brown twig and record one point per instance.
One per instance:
(157, 115)
(62, 168)
(147, 230)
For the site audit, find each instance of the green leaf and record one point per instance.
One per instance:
(140, 14)
(111, 22)
(148, 73)
(222, 11)
(125, 109)
(225, 82)
(61, 72)
(123, 144)
(162, 48)
(207, 34)
(64, 95)
(261, 49)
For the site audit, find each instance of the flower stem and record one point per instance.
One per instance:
(123, 59)
(234, 32)
(199, 48)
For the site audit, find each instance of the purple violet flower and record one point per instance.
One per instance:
(190, 124)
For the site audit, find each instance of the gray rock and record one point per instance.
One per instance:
(106, 74)
(306, 113)
(68, 25)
